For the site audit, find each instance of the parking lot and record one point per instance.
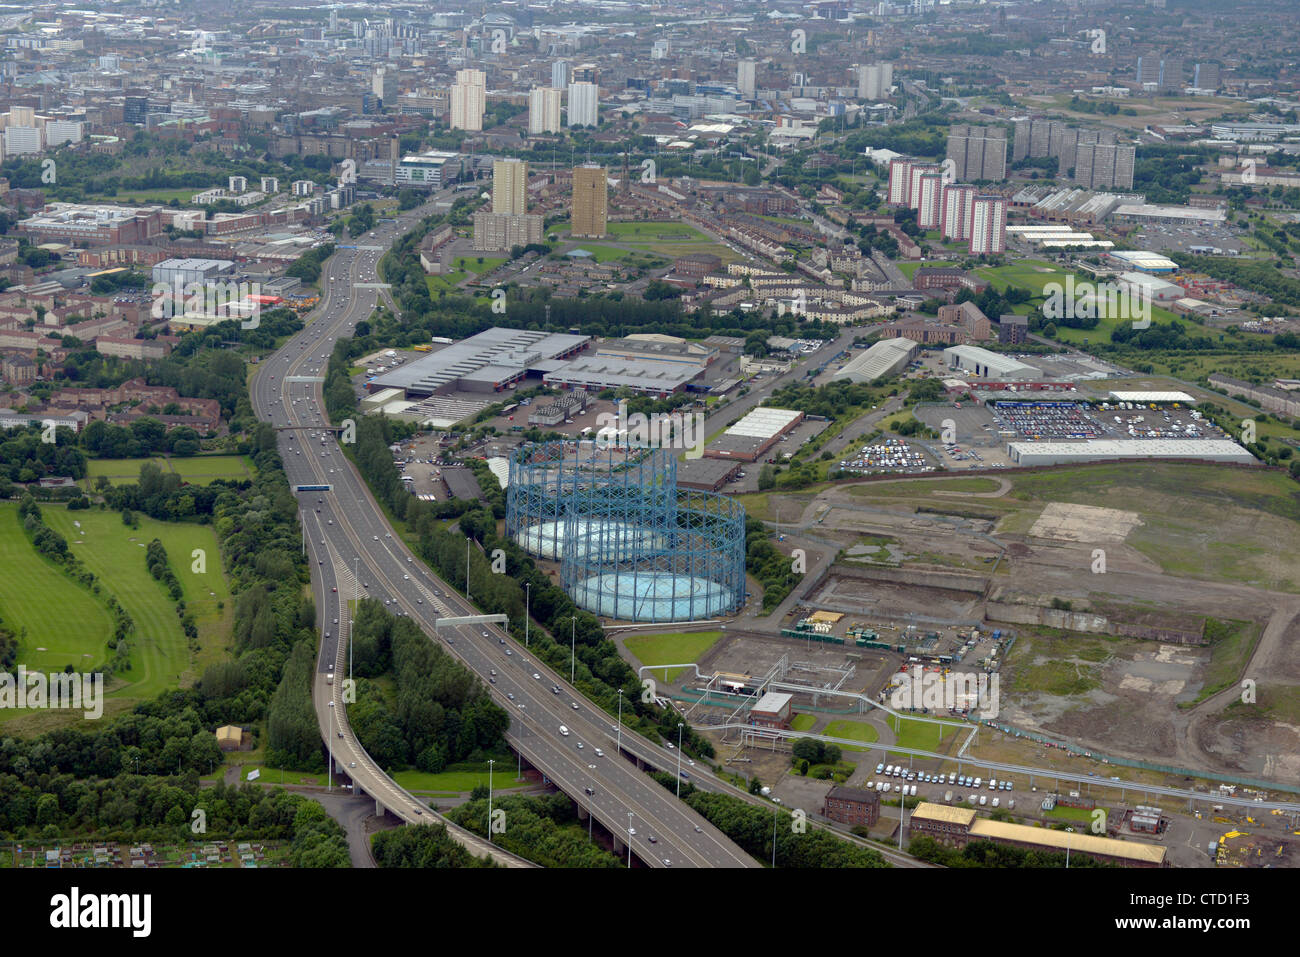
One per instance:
(889, 455)
(1047, 420)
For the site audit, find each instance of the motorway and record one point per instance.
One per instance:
(345, 529)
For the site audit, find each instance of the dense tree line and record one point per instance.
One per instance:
(442, 713)
(25, 458)
(307, 267)
(423, 847)
(155, 557)
(773, 569)
(992, 854)
(751, 827)
(543, 830)
(292, 734)
(131, 807)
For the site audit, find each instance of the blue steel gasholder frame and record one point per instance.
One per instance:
(631, 545)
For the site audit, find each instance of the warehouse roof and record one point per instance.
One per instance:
(1153, 397)
(926, 811)
(764, 422)
(1075, 841)
(883, 358)
(1219, 450)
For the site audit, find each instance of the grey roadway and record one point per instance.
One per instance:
(352, 528)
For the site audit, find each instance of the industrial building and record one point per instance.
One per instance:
(988, 365)
(431, 170)
(81, 224)
(182, 272)
(773, 710)
(707, 475)
(884, 358)
(1097, 450)
(754, 434)
(852, 806)
(959, 826)
(488, 362)
(632, 545)
(1143, 261)
(646, 376)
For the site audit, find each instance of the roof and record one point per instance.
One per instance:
(1220, 450)
(764, 422)
(772, 702)
(1076, 841)
(925, 811)
(882, 358)
(860, 795)
(1153, 397)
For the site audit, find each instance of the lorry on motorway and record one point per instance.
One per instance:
(329, 678)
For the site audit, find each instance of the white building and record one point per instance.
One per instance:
(58, 132)
(20, 140)
(746, 73)
(544, 110)
(468, 100)
(584, 102)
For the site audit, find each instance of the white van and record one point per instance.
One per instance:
(993, 784)
(564, 731)
(984, 799)
(977, 784)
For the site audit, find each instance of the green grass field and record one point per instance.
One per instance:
(160, 658)
(919, 734)
(656, 231)
(471, 264)
(855, 730)
(198, 469)
(65, 624)
(503, 778)
(803, 722)
(671, 649)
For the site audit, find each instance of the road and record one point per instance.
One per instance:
(344, 529)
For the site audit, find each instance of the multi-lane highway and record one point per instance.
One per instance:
(344, 529)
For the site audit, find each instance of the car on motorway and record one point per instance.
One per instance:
(652, 839)
(573, 705)
(589, 791)
(579, 745)
(509, 652)
(600, 753)
(510, 696)
(631, 832)
(667, 863)
(537, 676)
(564, 731)
(335, 590)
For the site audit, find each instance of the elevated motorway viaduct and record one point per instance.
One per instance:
(346, 538)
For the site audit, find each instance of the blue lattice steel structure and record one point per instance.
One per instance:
(631, 545)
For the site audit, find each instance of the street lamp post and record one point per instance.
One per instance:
(329, 781)
(352, 616)
(619, 742)
(1068, 830)
(528, 596)
(573, 654)
(776, 810)
(629, 838)
(489, 820)
(467, 541)
(680, 725)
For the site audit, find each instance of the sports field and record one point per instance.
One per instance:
(115, 553)
(198, 469)
(68, 625)
(65, 624)
(671, 649)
